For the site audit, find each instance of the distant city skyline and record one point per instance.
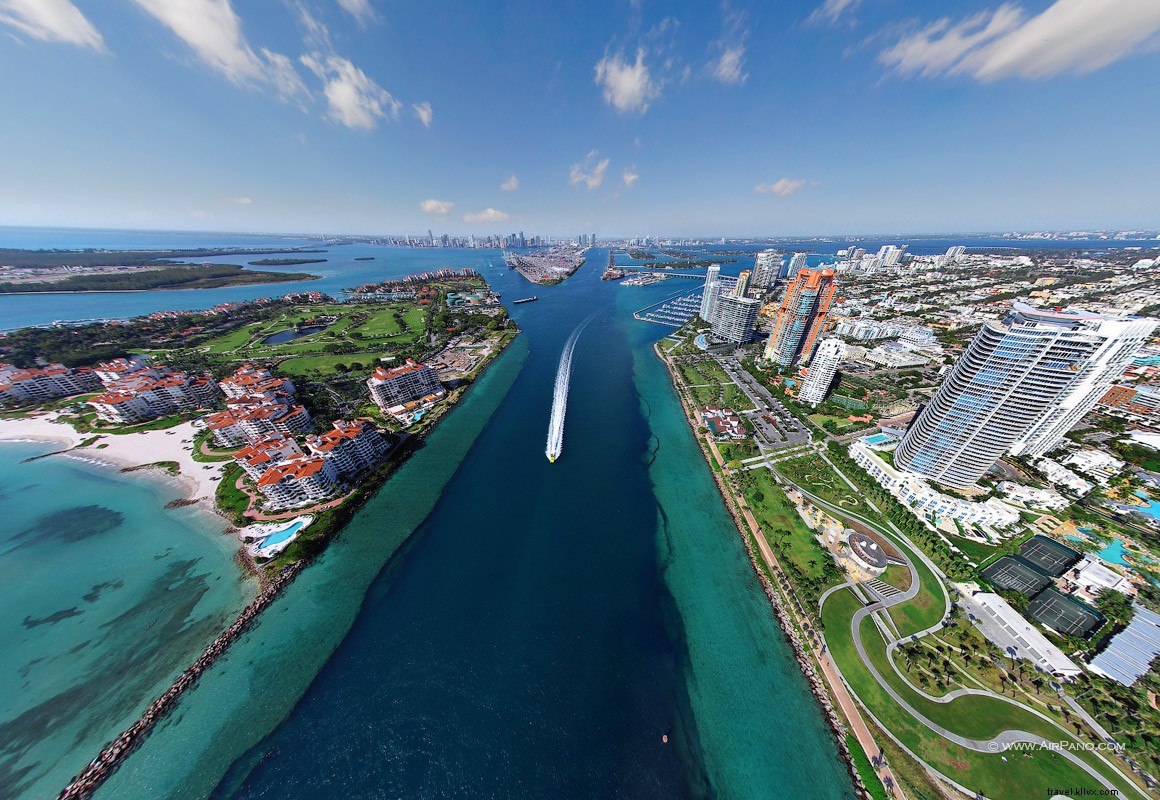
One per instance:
(814, 118)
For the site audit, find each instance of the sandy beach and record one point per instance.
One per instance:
(127, 450)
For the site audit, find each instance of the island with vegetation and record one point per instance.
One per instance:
(305, 359)
(36, 271)
(285, 262)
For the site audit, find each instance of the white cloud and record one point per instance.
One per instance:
(630, 177)
(242, 201)
(728, 67)
(627, 86)
(783, 187)
(51, 21)
(511, 184)
(424, 112)
(831, 11)
(214, 32)
(353, 99)
(1077, 36)
(487, 215)
(436, 206)
(359, 9)
(590, 171)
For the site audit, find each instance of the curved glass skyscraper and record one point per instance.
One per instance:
(1025, 381)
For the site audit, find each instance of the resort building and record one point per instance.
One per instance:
(1138, 402)
(801, 316)
(1031, 497)
(1001, 388)
(398, 386)
(895, 356)
(1096, 463)
(1113, 342)
(154, 392)
(250, 381)
(1091, 576)
(299, 480)
(734, 317)
(268, 451)
(823, 368)
(1060, 476)
(926, 503)
(723, 422)
(112, 371)
(23, 386)
(351, 446)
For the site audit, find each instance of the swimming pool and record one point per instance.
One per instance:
(879, 438)
(1152, 509)
(277, 537)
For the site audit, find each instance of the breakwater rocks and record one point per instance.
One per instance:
(110, 758)
(784, 617)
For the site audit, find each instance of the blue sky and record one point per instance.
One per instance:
(623, 118)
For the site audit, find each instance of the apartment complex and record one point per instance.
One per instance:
(25, 386)
(258, 404)
(801, 316)
(288, 477)
(710, 292)
(766, 269)
(152, 392)
(400, 391)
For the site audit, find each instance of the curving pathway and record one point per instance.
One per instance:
(995, 745)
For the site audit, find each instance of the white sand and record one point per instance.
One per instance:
(127, 450)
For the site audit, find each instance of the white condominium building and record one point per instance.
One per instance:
(766, 269)
(735, 318)
(823, 368)
(392, 387)
(1117, 339)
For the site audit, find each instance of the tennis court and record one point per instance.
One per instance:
(1012, 572)
(1063, 614)
(1048, 555)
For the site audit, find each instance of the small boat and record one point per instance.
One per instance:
(551, 459)
(525, 300)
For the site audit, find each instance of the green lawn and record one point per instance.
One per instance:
(1022, 776)
(324, 364)
(231, 501)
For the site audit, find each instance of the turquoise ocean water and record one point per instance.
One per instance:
(106, 596)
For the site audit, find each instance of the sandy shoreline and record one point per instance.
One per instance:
(127, 450)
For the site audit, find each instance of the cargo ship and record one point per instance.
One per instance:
(525, 300)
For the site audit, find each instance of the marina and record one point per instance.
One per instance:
(674, 311)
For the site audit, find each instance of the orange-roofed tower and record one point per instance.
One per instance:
(801, 317)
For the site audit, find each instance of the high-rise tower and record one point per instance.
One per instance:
(766, 268)
(1020, 385)
(742, 286)
(823, 368)
(801, 316)
(1120, 338)
(709, 295)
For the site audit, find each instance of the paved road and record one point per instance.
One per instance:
(995, 745)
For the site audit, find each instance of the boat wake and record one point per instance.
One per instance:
(560, 395)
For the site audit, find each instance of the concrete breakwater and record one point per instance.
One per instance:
(785, 620)
(106, 763)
